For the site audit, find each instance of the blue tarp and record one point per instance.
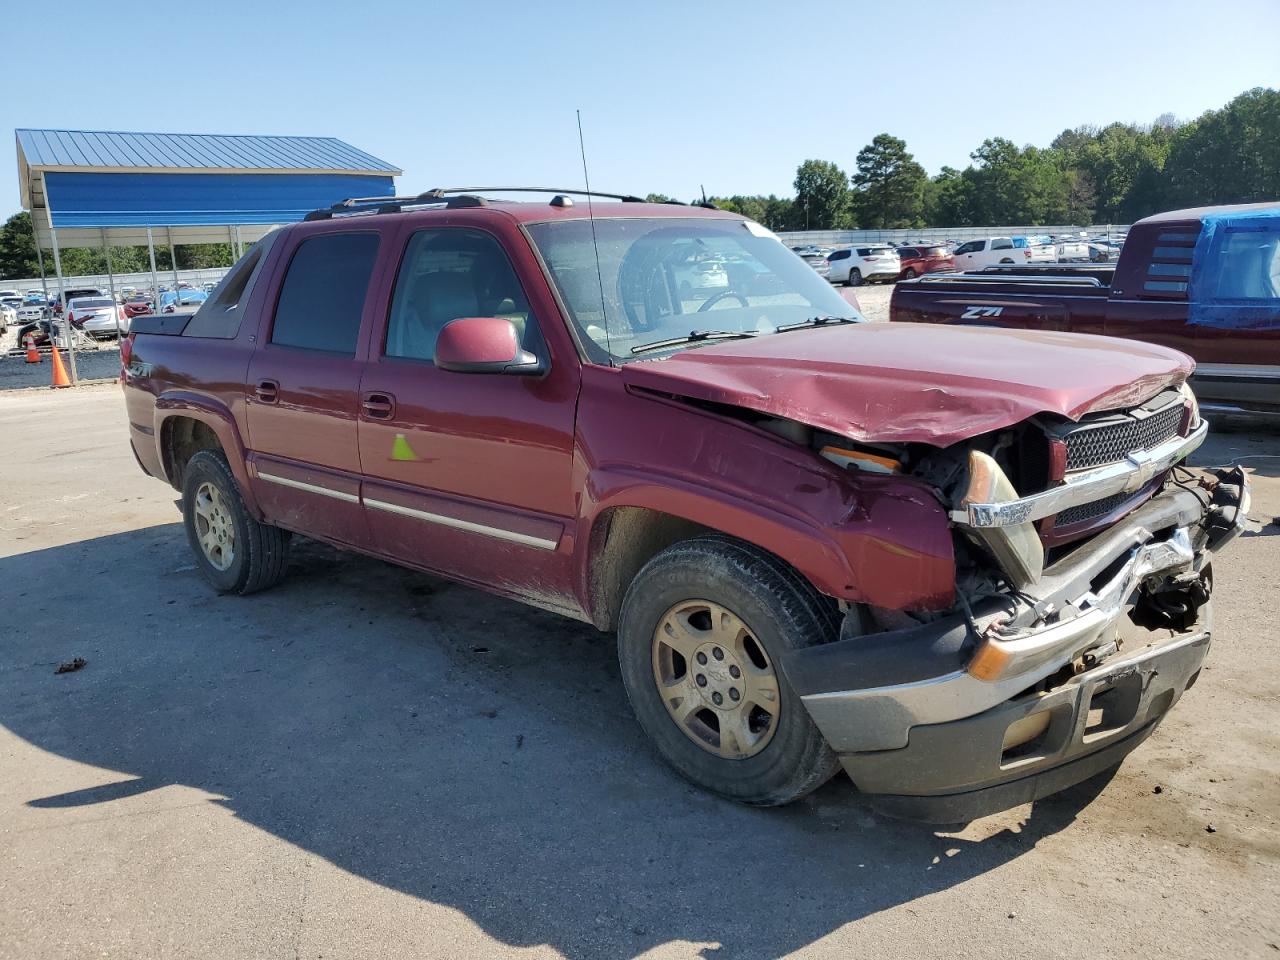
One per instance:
(199, 199)
(1235, 277)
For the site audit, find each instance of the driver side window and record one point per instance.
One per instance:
(450, 273)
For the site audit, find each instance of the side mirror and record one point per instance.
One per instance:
(484, 345)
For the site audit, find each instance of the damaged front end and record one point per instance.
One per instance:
(1082, 615)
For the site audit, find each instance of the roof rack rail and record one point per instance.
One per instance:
(452, 198)
(624, 197)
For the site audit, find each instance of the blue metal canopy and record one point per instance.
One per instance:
(83, 183)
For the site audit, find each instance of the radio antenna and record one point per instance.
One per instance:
(595, 245)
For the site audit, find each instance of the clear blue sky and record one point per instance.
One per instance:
(731, 95)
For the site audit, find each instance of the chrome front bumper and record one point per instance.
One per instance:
(910, 716)
(881, 718)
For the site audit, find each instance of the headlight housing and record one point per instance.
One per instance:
(1192, 405)
(1017, 548)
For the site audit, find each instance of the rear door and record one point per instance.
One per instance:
(302, 400)
(469, 474)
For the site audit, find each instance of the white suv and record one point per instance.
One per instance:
(861, 264)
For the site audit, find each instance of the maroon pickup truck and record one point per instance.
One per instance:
(1203, 281)
(965, 565)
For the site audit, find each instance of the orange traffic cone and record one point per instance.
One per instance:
(33, 355)
(59, 371)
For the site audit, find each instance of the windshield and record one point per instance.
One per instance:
(665, 278)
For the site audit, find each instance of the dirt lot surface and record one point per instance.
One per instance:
(367, 762)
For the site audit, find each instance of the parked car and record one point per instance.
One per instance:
(97, 316)
(815, 257)
(10, 295)
(30, 313)
(137, 305)
(858, 265)
(990, 251)
(1071, 249)
(1218, 301)
(73, 293)
(1100, 251)
(919, 260)
(182, 300)
(820, 542)
(8, 314)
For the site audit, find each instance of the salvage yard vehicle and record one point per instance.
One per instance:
(1204, 281)
(859, 265)
(991, 251)
(97, 316)
(965, 565)
(924, 258)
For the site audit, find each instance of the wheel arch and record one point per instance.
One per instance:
(623, 536)
(188, 423)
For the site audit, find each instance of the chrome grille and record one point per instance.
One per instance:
(1110, 442)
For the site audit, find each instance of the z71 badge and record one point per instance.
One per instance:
(979, 313)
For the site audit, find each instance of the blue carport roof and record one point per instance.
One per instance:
(104, 151)
(94, 180)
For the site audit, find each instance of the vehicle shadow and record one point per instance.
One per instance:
(457, 748)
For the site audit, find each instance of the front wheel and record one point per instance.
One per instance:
(909, 274)
(234, 552)
(702, 629)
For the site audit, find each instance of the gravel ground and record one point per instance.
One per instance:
(16, 373)
(368, 762)
(873, 300)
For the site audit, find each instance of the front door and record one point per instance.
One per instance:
(468, 474)
(304, 379)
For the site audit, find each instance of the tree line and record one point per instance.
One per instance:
(1113, 174)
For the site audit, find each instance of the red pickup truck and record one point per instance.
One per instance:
(965, 565)
(1204, 281)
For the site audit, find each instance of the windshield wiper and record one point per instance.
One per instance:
(814, 322)
(695, 336)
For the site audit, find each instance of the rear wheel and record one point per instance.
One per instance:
(234, 552)
(702, 629)
(909, 273)
(855, 277)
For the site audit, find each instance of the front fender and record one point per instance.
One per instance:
(219, 419)
(886, 542)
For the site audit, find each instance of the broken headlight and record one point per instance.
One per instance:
(1017, 548)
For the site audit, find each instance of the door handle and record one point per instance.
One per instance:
(378, 406)
(267, 391)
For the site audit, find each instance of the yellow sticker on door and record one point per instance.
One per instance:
(400, 450)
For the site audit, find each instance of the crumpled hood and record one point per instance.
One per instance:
(907, 382)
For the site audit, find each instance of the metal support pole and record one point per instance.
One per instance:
(111, 283)
(66, 324)
(40, 260)
(155, 277)
(173, 258)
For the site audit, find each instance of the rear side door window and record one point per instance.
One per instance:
(1002, 243)
(323, 294)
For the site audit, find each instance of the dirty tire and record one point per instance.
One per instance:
(262, 552)
(782, 611)
(855, 278)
